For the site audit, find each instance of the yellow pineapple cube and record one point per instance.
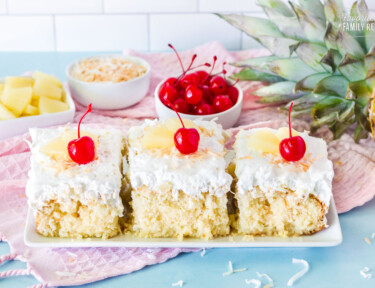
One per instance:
(35, 101)
(58, 147)
(5, 114)
(174, 124)
(283, 133)
(18, 81)
(157, 137)
(31, 110)
(2, 86)
(47, 105)
(16, 99)
(46, 88)
(264, 140)
(47, 77)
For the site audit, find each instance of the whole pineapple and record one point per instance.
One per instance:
(319, 61)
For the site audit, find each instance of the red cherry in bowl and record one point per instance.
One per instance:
(193, 94)
(82, 150)
(171, 81)
(204, 109)
(189, 79)
(292, 148)
(168, 93)
(203, 75)
(218, 85)
(233, 94)
(181, 106)
(222, 103)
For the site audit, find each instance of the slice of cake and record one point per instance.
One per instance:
(76, 199)
(279, 196)
(178, 194)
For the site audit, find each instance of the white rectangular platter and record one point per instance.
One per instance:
(331, 236)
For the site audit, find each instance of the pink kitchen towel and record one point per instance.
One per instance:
(353, 183)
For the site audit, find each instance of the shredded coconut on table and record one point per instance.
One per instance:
(65, 274)
(260, 275)
(298, 275)
(373, 235)
(365, 274)
(231, 270)
(269, 285)
(368, 241)
(179, 283)
(203, 252)
(256, 282)
(72, 254)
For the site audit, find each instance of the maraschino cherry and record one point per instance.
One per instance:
(186, 140)
(292, 148)
(82, 150)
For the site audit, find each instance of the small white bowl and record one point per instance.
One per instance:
(17, 126)
(110, 95)
(226, 118)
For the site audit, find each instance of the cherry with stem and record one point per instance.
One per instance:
(82, 149)
(186, 140)
(293, 148)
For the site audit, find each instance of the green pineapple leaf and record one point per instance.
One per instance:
(308, 83)
(333, 85)
(249, 74)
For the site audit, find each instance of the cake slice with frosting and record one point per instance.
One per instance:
(75, 183)
(178, 194)
(277, 196)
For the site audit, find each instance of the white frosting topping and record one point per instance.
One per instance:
(202, 171)
(98, 181)
(311, 175)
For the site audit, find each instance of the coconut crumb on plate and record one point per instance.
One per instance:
(231, 270)
(178, 283)
(256, 282)
(298, 275)
(365, 274)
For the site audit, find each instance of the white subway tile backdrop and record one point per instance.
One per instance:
(113, 25)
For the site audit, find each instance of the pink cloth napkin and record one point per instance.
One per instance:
(353, 184)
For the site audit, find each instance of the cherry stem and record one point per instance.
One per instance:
(202, 65)
(191, 63)
(178, 56)
(212, 69)
(235, 82)
(175, 110)
(79, 123)
(224, 71)
(290, 126)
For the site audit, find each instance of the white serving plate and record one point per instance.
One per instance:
(18, 126)
(330, 236)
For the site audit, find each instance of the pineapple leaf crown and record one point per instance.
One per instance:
(319, 61)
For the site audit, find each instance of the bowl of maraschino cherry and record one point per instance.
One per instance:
(198, 94)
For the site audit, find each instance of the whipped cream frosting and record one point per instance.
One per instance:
(202, 171)
(98, 181)
(313, 174)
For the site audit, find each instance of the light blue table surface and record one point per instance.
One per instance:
(330, 267)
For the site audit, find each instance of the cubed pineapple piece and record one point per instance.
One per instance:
(58, 147)
(18, 81)
(47, 77)
(264, 140)
(157, 137)
(2, 86)
(47, 105)
(31, 110)
(45, 88)
(35, 102)
(16, 99)
(283, 133)
(174, 124)
(5, 114)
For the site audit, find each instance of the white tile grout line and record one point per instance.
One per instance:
(148, 33)
(54, 33)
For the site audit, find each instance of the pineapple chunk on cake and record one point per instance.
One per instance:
(5, 114)
(17, 99)
(47, 105)
(18, 81)
(276, 197)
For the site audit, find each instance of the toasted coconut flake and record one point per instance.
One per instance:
(256, 282)
(179, 283)
(298, 275)
(365, 274)
(368, 241)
